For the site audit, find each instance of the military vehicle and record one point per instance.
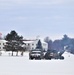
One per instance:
(36, 54)
(54, 54)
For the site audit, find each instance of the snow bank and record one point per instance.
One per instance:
(68, 56)
(23, 66)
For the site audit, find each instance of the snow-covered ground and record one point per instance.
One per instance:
(23, 66)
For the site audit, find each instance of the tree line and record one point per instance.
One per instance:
(66, 43)
(16, 44)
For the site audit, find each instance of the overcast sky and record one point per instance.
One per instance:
(30, 18)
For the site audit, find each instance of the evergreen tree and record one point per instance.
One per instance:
(39, 45)
(49, 42)
(14, 42)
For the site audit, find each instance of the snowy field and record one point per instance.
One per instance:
(23, 66)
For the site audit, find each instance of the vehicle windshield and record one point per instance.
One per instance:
(35, 52)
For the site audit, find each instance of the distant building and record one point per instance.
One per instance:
(31, 44)
(2, 45)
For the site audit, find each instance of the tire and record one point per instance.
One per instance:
(30, 58)
(61, 57)
(49, 58)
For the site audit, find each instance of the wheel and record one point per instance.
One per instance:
(30, 58)
(49, 58)
(61, 57)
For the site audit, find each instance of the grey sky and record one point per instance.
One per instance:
(30, 18)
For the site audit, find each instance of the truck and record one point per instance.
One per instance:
(36, 54)
(54, 54)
